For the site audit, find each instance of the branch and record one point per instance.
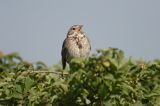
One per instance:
(58, 73)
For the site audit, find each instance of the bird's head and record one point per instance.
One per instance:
(74, 29)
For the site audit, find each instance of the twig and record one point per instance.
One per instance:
(58, 73)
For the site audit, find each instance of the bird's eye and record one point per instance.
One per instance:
(73, 28)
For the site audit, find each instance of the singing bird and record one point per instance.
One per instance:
(76, 44)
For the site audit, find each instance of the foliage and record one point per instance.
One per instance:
(105, 79)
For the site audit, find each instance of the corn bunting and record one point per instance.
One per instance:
(76, 44)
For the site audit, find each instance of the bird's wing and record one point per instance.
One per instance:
(63, 54)
(89, 42)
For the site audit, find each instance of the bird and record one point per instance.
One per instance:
(76, 44)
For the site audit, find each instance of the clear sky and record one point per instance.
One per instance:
(36, 28)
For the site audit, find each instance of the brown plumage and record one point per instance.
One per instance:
(76, 44)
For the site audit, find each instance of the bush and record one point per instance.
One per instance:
(105, 79)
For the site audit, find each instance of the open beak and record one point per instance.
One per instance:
(80, 27)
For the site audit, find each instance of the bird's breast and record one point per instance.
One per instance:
(79, 47)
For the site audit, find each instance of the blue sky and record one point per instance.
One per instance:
(36, 28)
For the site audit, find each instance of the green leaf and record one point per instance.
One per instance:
(18, 89)
(114, 63)
(28, 83)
